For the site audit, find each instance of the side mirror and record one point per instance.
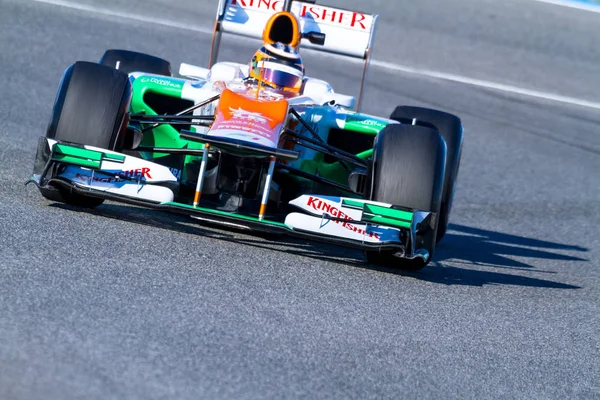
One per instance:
(193, 71)
(342, 100)
(317, 38)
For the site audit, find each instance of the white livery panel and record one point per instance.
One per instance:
(346, 223)
(95, 180)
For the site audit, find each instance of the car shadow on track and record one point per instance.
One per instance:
(461, 258)
(466, 254)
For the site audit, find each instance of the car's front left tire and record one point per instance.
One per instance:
(91, 108)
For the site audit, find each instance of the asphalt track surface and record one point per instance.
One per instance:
(125, 303)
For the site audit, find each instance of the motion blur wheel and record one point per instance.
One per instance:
(451, 129)
(90, 109)
(408, 171)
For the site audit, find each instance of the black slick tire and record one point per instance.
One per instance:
(408, 171)
(450, 127)
(131, 61)
(90, 109)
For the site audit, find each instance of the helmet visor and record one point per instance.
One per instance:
(281, 79)
(281, 76)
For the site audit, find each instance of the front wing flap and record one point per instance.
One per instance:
(109, 175)
(99, 170)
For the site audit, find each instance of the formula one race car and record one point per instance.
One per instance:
(257, 146)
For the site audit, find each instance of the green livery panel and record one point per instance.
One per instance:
(147, 88)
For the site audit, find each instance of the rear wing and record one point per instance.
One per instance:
(347, 33)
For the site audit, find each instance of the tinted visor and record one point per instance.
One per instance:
(281, 79)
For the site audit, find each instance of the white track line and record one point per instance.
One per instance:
(113, 13)
(573, 4)
(381, 64)
(487, 85)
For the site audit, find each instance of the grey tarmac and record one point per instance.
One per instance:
(126, 303)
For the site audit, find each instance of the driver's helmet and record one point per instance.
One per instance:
(278, 66)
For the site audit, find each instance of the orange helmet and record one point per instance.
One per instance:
(278, 66)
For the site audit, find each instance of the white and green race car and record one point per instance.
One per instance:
(213, 145)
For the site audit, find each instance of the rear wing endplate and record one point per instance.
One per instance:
(347, 33)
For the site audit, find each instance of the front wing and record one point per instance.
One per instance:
(109, 175)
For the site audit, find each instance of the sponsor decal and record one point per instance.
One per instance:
(143, 173)
(243, 126)
(350, 19)
(350, 226)
(345, 18)
(162, 82)
(176, 172)
(89, 178)
(250, 116)
(115, 184)
(370, 124)
(249, 119)
(271, 5)
(318, 204)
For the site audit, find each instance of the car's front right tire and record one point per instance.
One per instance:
(408, 171)
(451, 129)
